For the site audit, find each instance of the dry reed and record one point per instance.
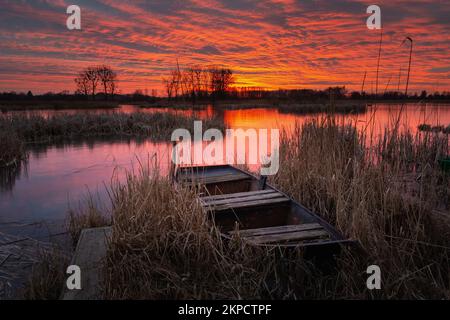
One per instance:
(38, 128)
(383, 195)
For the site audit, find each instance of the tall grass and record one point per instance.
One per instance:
(12, 150)
(87, 216)
(13, 157)
(46, 277)
(383, 195)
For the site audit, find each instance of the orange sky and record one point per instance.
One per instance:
(268, 43)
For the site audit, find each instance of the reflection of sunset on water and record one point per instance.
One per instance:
(376, 119)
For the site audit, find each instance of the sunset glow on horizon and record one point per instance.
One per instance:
(267, 43)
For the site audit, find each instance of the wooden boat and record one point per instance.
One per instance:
(241, 203)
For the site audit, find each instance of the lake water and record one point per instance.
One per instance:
(35, 201)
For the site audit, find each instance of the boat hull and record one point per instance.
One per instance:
(241, 204)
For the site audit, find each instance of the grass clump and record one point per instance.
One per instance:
(89, 216)
(47, 276)
(12, 149)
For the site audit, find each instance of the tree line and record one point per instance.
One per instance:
(197, 82)
(96, 79)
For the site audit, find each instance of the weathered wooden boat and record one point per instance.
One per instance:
(239, 202)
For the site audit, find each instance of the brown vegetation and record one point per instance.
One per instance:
(38, 128)
(383, 195)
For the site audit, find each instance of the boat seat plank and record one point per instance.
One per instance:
(271, 195)
(214, 179)
(319, 234)
(236, 195)
(277, 230)
(247, 204)
(190, 175)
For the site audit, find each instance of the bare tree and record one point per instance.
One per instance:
(168, 87)
(195, 82)
(107, 78)
(93, 79)
(172, 84)
(89, 79)
(82, 84)
(112, 88)
(220, 80)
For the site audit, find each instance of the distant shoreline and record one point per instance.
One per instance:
(55, 105)
(282, 104)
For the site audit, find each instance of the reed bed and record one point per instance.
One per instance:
(13, 157)
(428, 127)
(12, 148)
(38, 128)
(15, 105)
(384, 195)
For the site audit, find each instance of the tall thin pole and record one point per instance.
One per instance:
(364, 81)
(385, 89)
(378, 63)
(409, 65)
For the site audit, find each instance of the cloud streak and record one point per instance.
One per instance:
(269, 43)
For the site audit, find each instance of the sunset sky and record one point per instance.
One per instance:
(268, 43)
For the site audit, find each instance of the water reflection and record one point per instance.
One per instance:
(9, 175)
(61, 173)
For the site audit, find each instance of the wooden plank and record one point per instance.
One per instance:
(245, 199)
(217, 179)
(221, 178)
(291, 236)
(236, 195)
(248, 204)
(277, 230)
(90, 251)
(201, 175)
